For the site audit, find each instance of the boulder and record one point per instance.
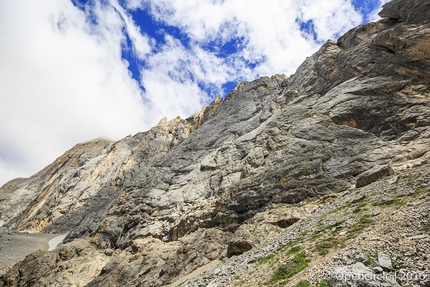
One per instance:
(374, 174)
(238, 247)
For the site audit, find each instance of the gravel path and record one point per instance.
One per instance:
(14, 247)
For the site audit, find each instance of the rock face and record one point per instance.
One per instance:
(187, 192)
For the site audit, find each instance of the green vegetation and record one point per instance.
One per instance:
(360, 207)
(317, 234)
(333, 240)
(293, 250)
(305, 283)
(290, 244)
(368, 262)
(422, 190)
(413, 177)
(237, 277)
(392, 202)
(324, 246)
(265, 259)
(323, 229)
(292, 266)
(362, 223)
(426, 227)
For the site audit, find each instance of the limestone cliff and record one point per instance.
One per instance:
(153, 207)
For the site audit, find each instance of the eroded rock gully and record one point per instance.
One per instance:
(240, 179)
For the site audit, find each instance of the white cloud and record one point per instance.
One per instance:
(141, 43)
(269, 29)
(63, 79)
(172, 76)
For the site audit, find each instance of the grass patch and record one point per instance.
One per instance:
(305, 283)
(412, 177)
(323, 247)
(298, 263)
(359, 208)
(348, 205)
(293, 250)
(426, 227)
(422, 190)
(317, 234)
(290, 244)
(395, 202)
(368, 262)
(265, 259)
(320, 232)
(362, 223)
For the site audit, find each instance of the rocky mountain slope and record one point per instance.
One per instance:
(288, 181)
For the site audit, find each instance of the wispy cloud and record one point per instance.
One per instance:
(64, 78)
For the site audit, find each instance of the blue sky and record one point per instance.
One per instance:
(74, 70)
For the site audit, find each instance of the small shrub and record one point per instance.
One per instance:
(293, 250)
(324, 247)
(362, 223)
(292, 267)
(366, 220)
(359, 207)
(265, 259)
(303, 283)
(426, 227)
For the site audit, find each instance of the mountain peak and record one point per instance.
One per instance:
(287, 178)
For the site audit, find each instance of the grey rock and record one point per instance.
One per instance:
(191, 191)
(410, 12)
(384, 200)
(384, 261)
(374, 174)
(109, 252)
(358, 199)
(393, 180)
(238, 247)
(374, 283)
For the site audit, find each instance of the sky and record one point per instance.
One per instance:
(73, 70)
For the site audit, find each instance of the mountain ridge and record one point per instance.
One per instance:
(153, 207)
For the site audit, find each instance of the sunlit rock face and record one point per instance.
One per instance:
(190, 191)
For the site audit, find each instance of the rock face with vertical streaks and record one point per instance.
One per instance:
(190, 191)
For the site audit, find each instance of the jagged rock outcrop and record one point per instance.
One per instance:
(188, 192)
